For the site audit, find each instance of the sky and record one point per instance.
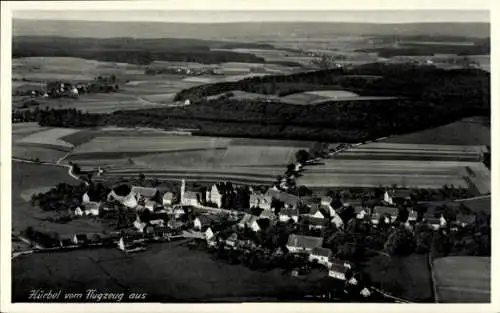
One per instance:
(198, 16)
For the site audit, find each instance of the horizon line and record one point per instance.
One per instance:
(253, 22)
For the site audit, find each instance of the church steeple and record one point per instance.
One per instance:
(183, 189)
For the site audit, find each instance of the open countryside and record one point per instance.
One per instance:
(311, 162)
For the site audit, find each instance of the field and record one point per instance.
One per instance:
(463, 279)
(31, 142)
(406, 277)
(479, 205)
(126, 152)
(468, 131)
(109, 270)
(31, 178)
(405, 165)
(320, 96)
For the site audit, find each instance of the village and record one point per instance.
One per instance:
(258, 225)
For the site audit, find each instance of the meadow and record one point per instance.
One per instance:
(191, 275)
(464, 279)
(28, 179)
(406, 277)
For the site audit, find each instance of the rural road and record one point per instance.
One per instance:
(69, 167)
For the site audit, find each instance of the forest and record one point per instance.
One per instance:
(135, 51)
(428, 97)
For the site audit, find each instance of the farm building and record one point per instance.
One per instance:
(321, 255)
(144, 192)
(299, 244)
(393, 197)
(80, 239)
(287, 214)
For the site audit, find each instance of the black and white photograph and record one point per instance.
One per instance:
(247, 156)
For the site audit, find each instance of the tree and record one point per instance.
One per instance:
(400, 242)
(303, 191)
(142, 177)
(302, 156)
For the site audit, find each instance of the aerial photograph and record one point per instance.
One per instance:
(265, 156)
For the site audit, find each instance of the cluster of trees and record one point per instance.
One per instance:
(62, 197)
(57, 117)
(47, 240)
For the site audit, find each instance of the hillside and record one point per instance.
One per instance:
(234, 30)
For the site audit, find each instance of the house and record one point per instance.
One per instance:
(338, 269)
(202, 222)
(80, 239)
(128, 199)
(91, 196)
(412, 216)
(266, 214)
(178, 212)
(157, 222)
(249, 221)
(144, 192)
(316, 212)
(313, 222)
(365, 292)
(393, 197)
(298, 244)
(150, 205)
(167, 199)
(392, 212)
(209, 234)
(128, 246)
(174, 225)
(91, 208)
(214, 195)
(337, 221)
(436, 223)
(362, 214)
(231, 240)
(321, 255)
(260, 201)
(326, 201)
(139, 225)
(78, 211)
(465, 219)
(64, 243)
(287, 214)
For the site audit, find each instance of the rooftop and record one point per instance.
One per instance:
(304, 241)
(144, 191)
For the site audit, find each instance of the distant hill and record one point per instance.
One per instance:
(99, 29)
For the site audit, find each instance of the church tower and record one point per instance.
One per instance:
(183, 189)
